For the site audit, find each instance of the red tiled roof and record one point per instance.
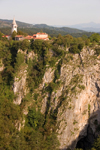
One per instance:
(19, 36)
(39, 38)
(41, 33)
(34, 34)
(29, 37)
(5, 35)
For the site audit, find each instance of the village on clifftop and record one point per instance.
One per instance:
(42, 36)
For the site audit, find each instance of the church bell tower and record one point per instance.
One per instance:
(14, 26)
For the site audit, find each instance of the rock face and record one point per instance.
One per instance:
(19, 86)
(76, 100)
(1, 66)
(80, 87)
(84, 105)
(48, 76)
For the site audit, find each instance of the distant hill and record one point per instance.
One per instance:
(5, 27)
(63, 29)
(89, 27)
(7, 23)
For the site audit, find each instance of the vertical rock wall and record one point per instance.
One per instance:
(76, 100)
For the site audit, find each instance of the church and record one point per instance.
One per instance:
(14, 26)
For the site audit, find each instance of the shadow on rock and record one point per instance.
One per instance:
(92, 130)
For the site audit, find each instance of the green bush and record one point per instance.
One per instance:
(58, 51)
(37, 46)
(97, 50)
(52, 62)
(97, 143)
(36, 96)
(82, 87)
(25, 45)
(74, 49)
(95, 37)
(80, 46)
(35, 118)
(19, 60)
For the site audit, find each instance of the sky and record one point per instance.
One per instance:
(51, 12)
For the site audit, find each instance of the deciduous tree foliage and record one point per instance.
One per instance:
(14, 34)
(95, 37)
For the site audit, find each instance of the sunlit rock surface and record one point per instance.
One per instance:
(76, 100)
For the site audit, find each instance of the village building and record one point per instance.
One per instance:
(19, 37)
(7, 36)
(29, 37)
(22, 37)
(41, 36)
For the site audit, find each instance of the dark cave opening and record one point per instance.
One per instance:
(87, 141)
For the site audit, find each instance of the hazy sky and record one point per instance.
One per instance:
(51, 12)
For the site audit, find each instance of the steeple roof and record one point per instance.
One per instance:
(14, 22)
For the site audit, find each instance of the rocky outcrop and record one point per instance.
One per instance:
(1, 66)
(19, 86)
(28, 55)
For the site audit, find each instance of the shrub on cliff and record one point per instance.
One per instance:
(97, 50)
(95, 37)
(25, 44)
(19, 60)
(74, 49)
(96, 144)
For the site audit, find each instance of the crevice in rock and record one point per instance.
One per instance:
(81, 60)
(87, 141)
(98, 89)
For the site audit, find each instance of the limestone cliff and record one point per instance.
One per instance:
(20, 87)
(75, 100)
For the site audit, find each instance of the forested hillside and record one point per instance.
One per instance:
(4, 23)
(52, 33)
(40, 84)
(5, 28)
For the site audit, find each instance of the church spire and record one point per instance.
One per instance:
(14, 26)
(14, 22)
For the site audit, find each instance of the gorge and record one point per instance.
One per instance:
(58, 94)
